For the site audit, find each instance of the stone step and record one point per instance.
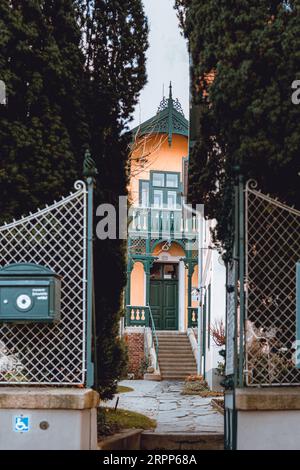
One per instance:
(178, 378)
(177, 372)
(172, 350)
(174, 339)
(172, 336)
(176, 358)
(182, 375)
(181, 362)
(178, 350)
(151, 440)
(177, 367)
(171, 333)
(175, 352)
(178, 355)
(173, 366)
(167, 341)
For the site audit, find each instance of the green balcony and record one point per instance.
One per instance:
(162, 223)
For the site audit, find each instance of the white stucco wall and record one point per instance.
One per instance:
(268, 430)
(214, 275)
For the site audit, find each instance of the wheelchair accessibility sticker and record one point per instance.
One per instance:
(21, 423)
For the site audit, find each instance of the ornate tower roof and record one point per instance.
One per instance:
(169, 119)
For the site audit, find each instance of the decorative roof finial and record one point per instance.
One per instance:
(170, 103)
(171, 94)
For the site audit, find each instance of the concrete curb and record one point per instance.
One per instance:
(129, 439)
(216, 406)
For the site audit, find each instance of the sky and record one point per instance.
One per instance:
(167, 60)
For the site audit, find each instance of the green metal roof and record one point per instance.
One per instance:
(169, 120)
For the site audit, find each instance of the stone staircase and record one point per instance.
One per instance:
(176, 358)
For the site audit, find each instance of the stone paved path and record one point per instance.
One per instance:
(174, 413)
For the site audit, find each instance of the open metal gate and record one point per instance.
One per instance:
(261, 335)
(55, 237)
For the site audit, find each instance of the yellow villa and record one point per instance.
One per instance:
(161, 293)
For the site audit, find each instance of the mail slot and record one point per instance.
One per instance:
(29, 293)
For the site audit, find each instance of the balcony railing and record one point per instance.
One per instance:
(141, 316)
(192, 317)
(137, 316)
(173, 223)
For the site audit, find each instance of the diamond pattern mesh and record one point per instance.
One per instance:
(55, 237)
(272, 250)
(138, 246)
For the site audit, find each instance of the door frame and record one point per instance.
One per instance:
(176, 261)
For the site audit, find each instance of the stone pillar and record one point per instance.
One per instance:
(147, 274)
(48, 418)
(190, 275)
(129, 269)
(266, 418)
(128, 285)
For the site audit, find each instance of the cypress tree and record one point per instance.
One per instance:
(115, 52)
(246, 116)
(73, 71)
(37, 136)
(70, 92)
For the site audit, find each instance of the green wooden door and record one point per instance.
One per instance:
(156, 303)
(164, 304)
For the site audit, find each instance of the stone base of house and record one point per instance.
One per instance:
(266, 418)
(135, 340)
(48, 418)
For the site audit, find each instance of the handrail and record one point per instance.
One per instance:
(154, 334)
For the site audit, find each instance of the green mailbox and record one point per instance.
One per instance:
(29, 293)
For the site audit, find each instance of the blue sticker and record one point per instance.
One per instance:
(21, 423)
